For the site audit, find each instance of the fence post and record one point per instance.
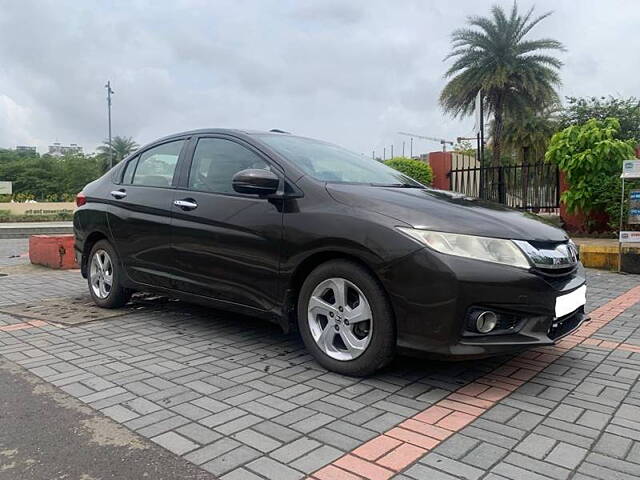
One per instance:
(480, 165)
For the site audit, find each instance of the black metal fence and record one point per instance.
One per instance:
(533, 186)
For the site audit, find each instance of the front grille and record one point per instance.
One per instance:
(556, 272)
(551, 259)
(564, 325)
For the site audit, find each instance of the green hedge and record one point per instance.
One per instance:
(7, 217)
(415, 169)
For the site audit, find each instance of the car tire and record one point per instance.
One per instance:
(103, 294)
(372, 343)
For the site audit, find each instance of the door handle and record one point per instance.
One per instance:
(186, 204)
(119, 194)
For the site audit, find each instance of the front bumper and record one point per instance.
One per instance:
(432, 295)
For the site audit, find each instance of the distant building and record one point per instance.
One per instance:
(58, 150)
(25, 149)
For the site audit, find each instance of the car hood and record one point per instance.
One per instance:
(444, 211)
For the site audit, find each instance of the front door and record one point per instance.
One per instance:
(226, 244)
(140, 223)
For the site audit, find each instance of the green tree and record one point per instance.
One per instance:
(465, 147)
(527, 134)
(626, 110)
(591, 155)
(416, 169)
(513, 73)
(121, 147)
(46, 177)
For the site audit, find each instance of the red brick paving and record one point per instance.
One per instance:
(393, 451)
(22, 326)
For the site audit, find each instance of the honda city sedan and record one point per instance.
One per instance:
(362, 260)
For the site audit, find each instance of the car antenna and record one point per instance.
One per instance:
(277, 130)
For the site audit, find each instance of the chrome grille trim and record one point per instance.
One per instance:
(550, 256)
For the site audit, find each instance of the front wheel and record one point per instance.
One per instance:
(345, 319)
(104, 275)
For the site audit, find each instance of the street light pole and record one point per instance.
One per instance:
(109, 93)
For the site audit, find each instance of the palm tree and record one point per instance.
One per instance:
(121, 147)
(513, 74)
(527, 134)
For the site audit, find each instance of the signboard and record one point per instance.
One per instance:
(478, 113)
(634, 207)
(629, 237)
(6, 188)
(631, 169)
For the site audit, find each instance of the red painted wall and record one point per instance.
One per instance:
(441, 165)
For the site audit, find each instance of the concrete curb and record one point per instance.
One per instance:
(606, 257)
(26, 229)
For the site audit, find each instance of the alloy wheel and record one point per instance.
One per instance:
(340, 319)
(101, 274)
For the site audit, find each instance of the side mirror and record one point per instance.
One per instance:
(256, 181)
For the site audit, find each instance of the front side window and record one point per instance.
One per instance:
(216, 161)
(331, 163)
(155, 167)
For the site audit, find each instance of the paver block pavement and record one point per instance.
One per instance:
(242, 400)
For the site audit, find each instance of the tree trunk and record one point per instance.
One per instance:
(498, 124)
(525, 176)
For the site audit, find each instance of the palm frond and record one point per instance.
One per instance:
(516, 74)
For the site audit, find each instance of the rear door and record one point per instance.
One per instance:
(226, 244)
(140, 223)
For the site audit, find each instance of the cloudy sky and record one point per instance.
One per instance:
(349, 71)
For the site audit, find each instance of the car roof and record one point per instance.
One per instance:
(232, 131)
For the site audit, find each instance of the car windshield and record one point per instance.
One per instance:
(331, 163)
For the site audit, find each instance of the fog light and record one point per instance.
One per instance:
(486, 321)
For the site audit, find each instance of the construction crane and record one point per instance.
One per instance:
(442, 141)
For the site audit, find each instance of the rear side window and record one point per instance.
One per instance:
(216, 161)
(155, 167)
(129, 170)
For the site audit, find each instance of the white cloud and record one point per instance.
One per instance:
(351, 72)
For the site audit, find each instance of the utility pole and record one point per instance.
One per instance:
(411, 154)
(403, 148)
(109, 93)
(391, 150)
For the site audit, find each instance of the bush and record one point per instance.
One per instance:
(415, 169)
(7, 217)
(591, 156)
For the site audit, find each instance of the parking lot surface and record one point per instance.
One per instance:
(239, 399)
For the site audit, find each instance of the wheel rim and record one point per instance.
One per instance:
(101, 274)
(340, 319)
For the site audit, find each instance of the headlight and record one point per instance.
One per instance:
(494, 250)
(576, 249)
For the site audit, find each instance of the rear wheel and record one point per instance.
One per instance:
(104, 277)
(345, 319)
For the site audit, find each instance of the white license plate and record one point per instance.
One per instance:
(566, 304)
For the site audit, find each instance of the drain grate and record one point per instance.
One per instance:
(81, 309)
